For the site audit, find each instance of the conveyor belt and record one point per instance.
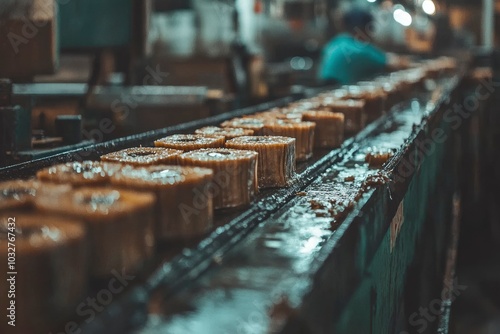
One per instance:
(249, 264)
(273, 270)
(245, 255)
(94, 151)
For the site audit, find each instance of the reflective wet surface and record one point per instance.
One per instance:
(261, 281)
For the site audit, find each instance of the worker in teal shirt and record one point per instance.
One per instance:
(349, 57)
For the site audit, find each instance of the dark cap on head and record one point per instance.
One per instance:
(357, 19)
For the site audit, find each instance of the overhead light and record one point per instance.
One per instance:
(429, 7)
(402, 17)
(371, 0)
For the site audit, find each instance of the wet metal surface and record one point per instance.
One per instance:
(259, 263)
(261, 282)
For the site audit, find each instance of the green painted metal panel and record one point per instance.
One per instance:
(359, 320)
(94, 23)
(376, 305)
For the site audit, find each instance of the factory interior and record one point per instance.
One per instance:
(249, 166)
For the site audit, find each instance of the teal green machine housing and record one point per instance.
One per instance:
(94, 23)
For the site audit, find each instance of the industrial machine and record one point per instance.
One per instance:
(96, 65)
(344, 246)
(289, 264)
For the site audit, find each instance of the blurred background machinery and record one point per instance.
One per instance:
(140, 65)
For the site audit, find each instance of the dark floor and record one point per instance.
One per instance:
(477, 309)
